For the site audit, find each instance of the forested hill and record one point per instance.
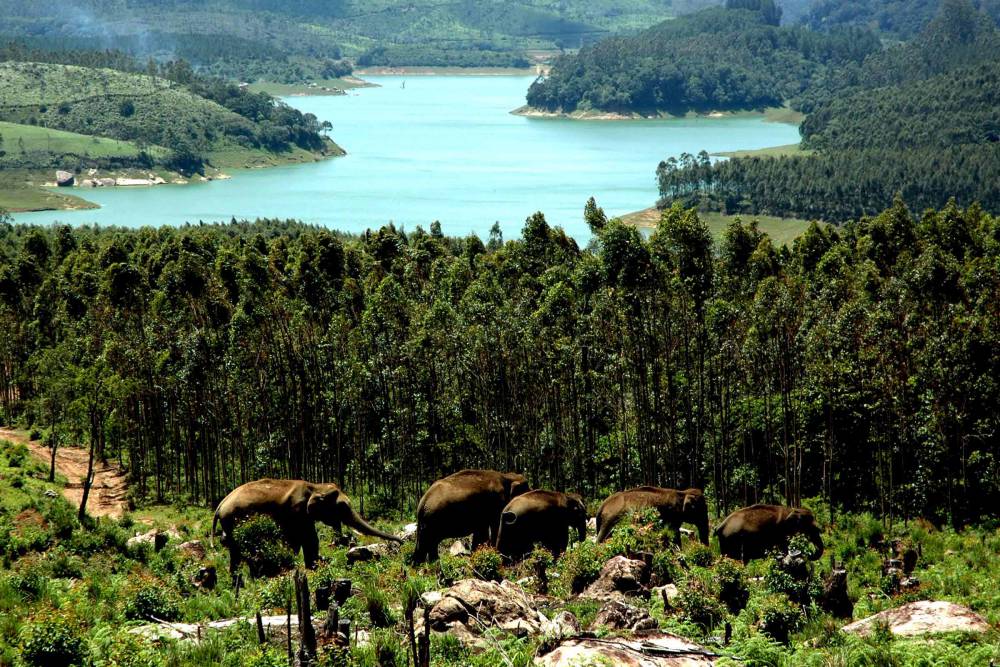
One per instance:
(920, 119)
(899, 19)
(718, 59)
(174, 117)
(291, 40)
(204, 356)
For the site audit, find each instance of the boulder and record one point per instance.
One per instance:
(458, 549)
(408, 532)
(155, 538)
(565, 624)
(619, 576)
(106, 182)
(474, 605)
(64, 179)
(367, 552)
(616, 615)
(922, 618)
(193, 549)
(89, 183)
(651, 650)
(132, 182)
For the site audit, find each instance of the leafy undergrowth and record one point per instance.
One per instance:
(69, 594)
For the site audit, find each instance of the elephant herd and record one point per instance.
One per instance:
(501, 509)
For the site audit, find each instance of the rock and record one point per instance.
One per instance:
(565, 624)
(193, 549)
(619, 576)
(592, 525)
(674, 651)
(49, 493)
(921, 618)
(409, 532)
(154, 538)
(88, 183)
(158, 632)
(667, 593)
(106, 182)
(458, 549)
(430, 598)
(367, 552)
(64, 179)
(132, 182)
(617, 615)
(476, 605)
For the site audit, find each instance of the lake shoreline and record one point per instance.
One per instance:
(770, 114)
(451, 71)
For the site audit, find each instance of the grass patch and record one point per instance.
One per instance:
(317, 87)
(28, 139)
(773, 151)
(21, 191)
(783, 231)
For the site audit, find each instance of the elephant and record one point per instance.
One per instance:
(295, 505)
(543, 517)
(751, 532)
(466, 502)
(674, 507)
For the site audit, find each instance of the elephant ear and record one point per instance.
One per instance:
(508, 518)
(515, 485)
(320, 499)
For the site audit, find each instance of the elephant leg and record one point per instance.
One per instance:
(426, 549)
(310, 547)
(234, 558)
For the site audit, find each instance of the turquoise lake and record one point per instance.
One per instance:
(442, 148)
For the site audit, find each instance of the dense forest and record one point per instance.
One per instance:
(919, 119)
(859, 366)
(730, 58)
(899, 19)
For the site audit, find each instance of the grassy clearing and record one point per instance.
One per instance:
(773, 151)
(19, 138)
(21, 191)
(87, 588)
(783, 231)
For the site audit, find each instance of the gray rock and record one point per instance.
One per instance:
(627, 652)
(64, 179)
(458, 549)
(367, 552)
(619, 576)
(193, 549)
(617, 615)
(922, 618)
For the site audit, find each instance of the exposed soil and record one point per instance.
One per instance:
(109, 490)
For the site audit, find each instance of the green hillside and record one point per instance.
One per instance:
(289, 41)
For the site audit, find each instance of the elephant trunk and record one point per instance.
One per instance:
(581, 528)
(355, 521)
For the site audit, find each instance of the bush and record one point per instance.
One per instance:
(698, 605)
(263, 547)
(17, 455)
(30, 586)
(60, 516)
(664, 569)
(485, 562)
(149, 602)
(700, 555)
(779, 617)
(52, 643)
(581, 564)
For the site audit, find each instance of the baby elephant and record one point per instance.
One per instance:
(753, 531)
(540, 517)
(674, 507)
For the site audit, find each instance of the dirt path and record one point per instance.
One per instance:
(107, 494)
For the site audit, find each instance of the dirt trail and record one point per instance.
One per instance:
(108, 492)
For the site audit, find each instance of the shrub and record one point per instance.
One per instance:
(485, 562)
(52, 643)
(700, 555)
(640, 531)
(698, 606)
(30, 585)
(731, 578)
(779, 617)
(60, 516)
(664, 569)
(582, 563)
(17, 455)
(149, 602)
(64, 565)
(35, 433)
(17, 480)
(263, 547)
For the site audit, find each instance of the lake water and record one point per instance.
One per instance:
(442, 148)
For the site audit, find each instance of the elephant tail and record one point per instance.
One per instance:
(355, 521)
